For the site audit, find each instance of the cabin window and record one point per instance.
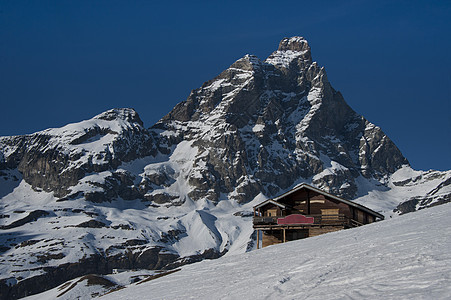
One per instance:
(271, 212)
(317, 201)
(329, 211)
(329, 214)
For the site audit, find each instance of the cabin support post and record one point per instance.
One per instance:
(284, 236)
(258, 239)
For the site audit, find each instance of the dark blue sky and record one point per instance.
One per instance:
(65, 61)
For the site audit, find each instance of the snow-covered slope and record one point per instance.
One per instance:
(402, 258)
(92, 286)
(72, 238)
(108, 193)
(406, 190)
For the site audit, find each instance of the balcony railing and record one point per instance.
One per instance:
(339, 219)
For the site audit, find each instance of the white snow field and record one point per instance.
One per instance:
(408, 257)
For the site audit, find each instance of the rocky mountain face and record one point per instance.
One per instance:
(56, 159)
(264, 125)
(108, 193)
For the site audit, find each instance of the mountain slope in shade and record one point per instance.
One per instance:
(108, 193)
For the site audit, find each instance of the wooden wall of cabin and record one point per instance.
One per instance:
(362, 216)
(271, 210)
(296, 234)
(318, 204)
(271, 237)
(298, 202)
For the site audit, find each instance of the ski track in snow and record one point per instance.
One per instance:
(402, 258)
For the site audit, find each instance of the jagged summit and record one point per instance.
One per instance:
(289, 50)
(236, 90)
(295, 49)
(296, 43)
(126, 114)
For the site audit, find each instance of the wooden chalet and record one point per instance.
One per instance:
(307, 211)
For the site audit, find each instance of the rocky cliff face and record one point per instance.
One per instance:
(108, 193)
(265, 125)
(54, 160)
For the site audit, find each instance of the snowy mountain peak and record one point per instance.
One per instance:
(296, 43)
(54, 160)
(247, 63)
(295, 49)
(126, 114)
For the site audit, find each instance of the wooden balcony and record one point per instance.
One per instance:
(334, 220)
